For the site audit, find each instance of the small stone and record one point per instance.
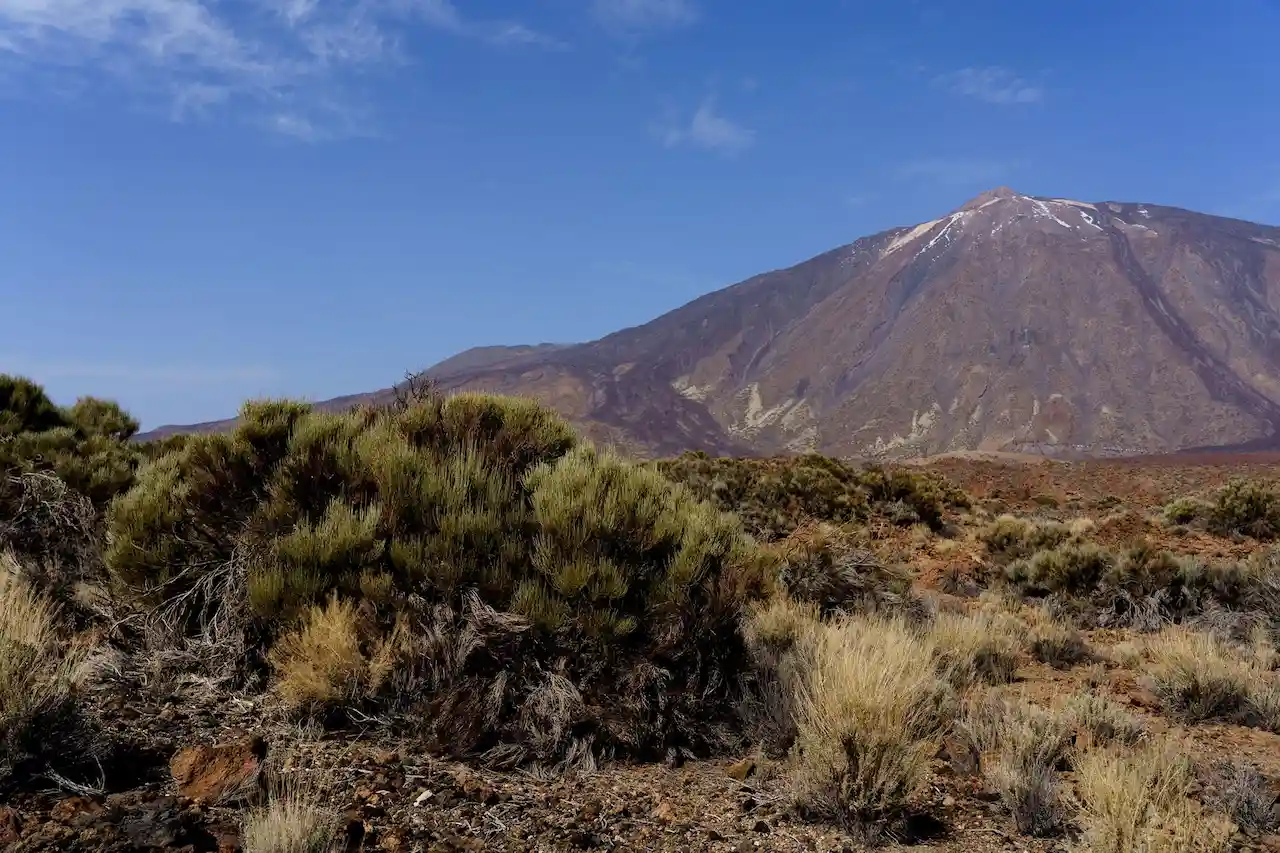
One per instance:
(741, 770)
(422, 798)
(948, 802)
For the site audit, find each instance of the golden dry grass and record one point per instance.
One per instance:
(982, 646)
(1138, 802)
(292, 820)
(37, 669)
(1198, 677)
(870, 709)
(325, 661)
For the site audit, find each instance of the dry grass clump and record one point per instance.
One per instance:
(38, 670)
(1099, 721)
(870, 709)
(1198, 677)
(1052, 641)
(979, 647)
(1138, 801)
(1027, 745)
(329, 660)
(291, 820)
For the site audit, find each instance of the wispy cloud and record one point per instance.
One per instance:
(957, 171)
(171, 375)
(992, 84)
(277, 57)
(638, 17)
(706, 129)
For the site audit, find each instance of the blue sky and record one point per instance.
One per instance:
(206, 200)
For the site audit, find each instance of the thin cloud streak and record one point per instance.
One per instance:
(276, 57)
(707, 129)
(638, 17)
(993, 84)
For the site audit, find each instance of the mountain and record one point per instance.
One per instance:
(1013, 323)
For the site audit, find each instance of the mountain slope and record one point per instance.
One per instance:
(1013, 323)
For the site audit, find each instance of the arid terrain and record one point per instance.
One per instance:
(972, 652)
(1011, 324)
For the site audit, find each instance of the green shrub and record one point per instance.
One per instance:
(1247, 508)
(774, 497)
(822, 565)
(86, 446)
(1072, 569)
(1185, 510)
(1009, 538)
(523, 563)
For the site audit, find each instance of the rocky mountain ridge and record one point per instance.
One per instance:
(1013, 323)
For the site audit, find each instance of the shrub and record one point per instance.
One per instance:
(1029, 743)
(86, 446)
(1247, 508)
(824, 565)
(1185, 510)
(870, 712)
(978, 647)
(519, 563)
(1009, 538)
(1246, 796)
(1138, 802)
(1071, 569)
(775, 496)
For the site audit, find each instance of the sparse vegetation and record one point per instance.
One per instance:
(462, 573)
(1138, 802)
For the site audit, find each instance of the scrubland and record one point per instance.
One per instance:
(449, 624)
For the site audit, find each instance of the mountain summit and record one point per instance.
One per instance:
(1014, 323)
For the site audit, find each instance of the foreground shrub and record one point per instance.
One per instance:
(870, 711)
(1072, 569)
(527, 572)
(1139, 802)
(774, 497)
(86, 446)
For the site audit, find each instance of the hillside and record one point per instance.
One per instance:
(1012, 324)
